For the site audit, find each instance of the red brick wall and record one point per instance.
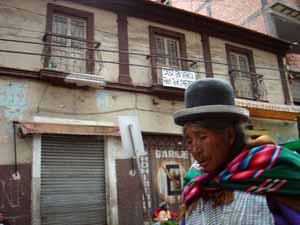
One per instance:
(257, 24)
(234, 11)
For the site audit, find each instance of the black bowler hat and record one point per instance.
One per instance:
(210, 98)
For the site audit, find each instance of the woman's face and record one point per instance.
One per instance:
(208, 147)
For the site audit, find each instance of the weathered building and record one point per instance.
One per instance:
(69, 69)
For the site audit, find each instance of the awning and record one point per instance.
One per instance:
(32, 127)
(270, 111)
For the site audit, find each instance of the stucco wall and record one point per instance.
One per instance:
(24, 99)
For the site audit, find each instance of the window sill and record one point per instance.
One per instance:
(66, 79)
(168, 93)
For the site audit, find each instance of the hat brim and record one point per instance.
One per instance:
(211, 111)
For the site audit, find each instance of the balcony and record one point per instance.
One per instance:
(76, 60)
(249, 85)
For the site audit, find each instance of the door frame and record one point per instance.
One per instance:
(110, 180)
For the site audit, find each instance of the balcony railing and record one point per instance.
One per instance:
(72, 54)
(249, 85)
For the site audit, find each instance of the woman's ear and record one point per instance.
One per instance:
(230, 135)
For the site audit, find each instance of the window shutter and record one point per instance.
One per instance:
(234, 65)
(173, 52)
(60, 26)
(295, 88)
(77, 30)
(160, 50)
(243, 61)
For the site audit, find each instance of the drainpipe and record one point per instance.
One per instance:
(16, 174)
(298, 126)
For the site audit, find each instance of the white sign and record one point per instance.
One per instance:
(177, 78)
(159, 154)
(131, 136)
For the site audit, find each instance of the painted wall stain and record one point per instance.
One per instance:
(102, 99)
(12, 100)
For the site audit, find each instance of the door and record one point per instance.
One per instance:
(72, 180)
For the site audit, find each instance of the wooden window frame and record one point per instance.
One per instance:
(88, 16)
(297, 80)
(243, 51)
(171, 34)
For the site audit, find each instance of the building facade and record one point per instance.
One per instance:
(70, 69)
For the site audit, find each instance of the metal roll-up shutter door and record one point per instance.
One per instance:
(72, 180)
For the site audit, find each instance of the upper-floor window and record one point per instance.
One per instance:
(246, 82)
(295, 88)
(168, 49)
(64, 26)
(70, 33)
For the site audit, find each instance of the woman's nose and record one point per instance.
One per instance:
(194, 147)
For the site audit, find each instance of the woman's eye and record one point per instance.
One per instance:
(188, 142)
(203, 137)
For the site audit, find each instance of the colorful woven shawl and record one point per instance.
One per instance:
(260, 170)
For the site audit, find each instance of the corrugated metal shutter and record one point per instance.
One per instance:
(72, 180)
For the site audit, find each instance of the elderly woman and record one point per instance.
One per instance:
(220, 186)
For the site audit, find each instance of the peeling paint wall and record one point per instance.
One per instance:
(12, 100)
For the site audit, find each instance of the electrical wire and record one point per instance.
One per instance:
(130, 64)
(147, 54)
(131, 53)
